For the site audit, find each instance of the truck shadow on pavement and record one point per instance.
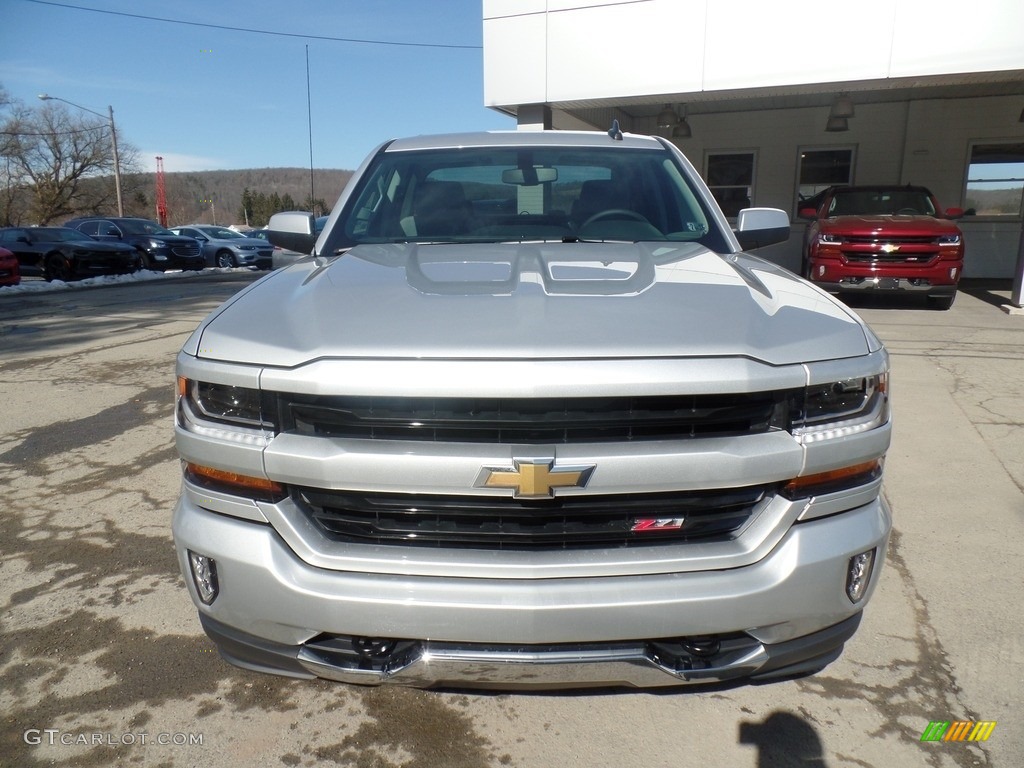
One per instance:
(784, 739)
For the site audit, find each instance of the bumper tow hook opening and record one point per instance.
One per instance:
(705, 647)
(374, 648)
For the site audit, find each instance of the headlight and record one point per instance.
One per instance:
(224, 403)
(949, 240)
(154, 244)
(827, 238)
(840, 408)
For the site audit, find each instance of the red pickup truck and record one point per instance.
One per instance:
(883, 238)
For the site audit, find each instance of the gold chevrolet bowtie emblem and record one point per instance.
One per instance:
(534, 478)
(890, 248)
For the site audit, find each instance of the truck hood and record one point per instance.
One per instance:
(892, 226)
(530, 301)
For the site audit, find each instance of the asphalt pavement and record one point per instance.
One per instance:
(102, 660)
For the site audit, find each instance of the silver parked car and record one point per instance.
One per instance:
(529, 416)
(223, 247)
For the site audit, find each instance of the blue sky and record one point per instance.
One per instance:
(206, 98)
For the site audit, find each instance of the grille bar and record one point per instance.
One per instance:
(916, 259)
(573, 522)
(894, 240)
(539, 420)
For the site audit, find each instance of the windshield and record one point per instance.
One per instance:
(496, 194)
(881, 202)
(58, 234)
(142, 227)
(219, 233)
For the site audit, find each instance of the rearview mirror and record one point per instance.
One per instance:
(530, 176)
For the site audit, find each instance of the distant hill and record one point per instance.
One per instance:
(215, 197)
(992, 202)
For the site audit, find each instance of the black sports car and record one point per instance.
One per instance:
(65, 254)
(159, 248)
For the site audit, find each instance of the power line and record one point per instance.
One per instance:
(55, 133)
(256, 31)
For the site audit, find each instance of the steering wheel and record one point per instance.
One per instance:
(621, 213)
(908, 212)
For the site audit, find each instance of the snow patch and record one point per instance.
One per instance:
(142, 276)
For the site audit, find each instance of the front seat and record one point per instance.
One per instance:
(440, 209)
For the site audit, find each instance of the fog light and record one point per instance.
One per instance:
(858, 575)
(204, 576)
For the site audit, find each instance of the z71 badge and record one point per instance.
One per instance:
(657, 524)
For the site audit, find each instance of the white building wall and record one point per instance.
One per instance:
(542, 51)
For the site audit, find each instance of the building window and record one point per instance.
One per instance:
(730, 176)
(995, 180)
(820, 169)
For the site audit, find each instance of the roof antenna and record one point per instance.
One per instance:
(614, 131)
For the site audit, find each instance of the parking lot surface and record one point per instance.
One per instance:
(102, 660)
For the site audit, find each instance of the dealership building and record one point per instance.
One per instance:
(772, 102)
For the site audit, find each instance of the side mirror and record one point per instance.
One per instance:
(293, 230)
(807, 213)
(955, 213)
(758, 227)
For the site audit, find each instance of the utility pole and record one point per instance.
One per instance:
(113, 141)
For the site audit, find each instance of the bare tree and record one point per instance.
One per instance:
(51, 158)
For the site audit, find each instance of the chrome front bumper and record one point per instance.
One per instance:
(888, 285)
(635, 664)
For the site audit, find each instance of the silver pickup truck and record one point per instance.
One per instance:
(529, 416)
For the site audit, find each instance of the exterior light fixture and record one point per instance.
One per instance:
(842, 107)
(667, 118)
(837, 124)
(681, 129)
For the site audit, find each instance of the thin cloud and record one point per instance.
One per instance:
(174, 162)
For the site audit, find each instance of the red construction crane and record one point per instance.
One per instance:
(161, 193)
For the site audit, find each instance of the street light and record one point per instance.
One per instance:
(113, 139)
